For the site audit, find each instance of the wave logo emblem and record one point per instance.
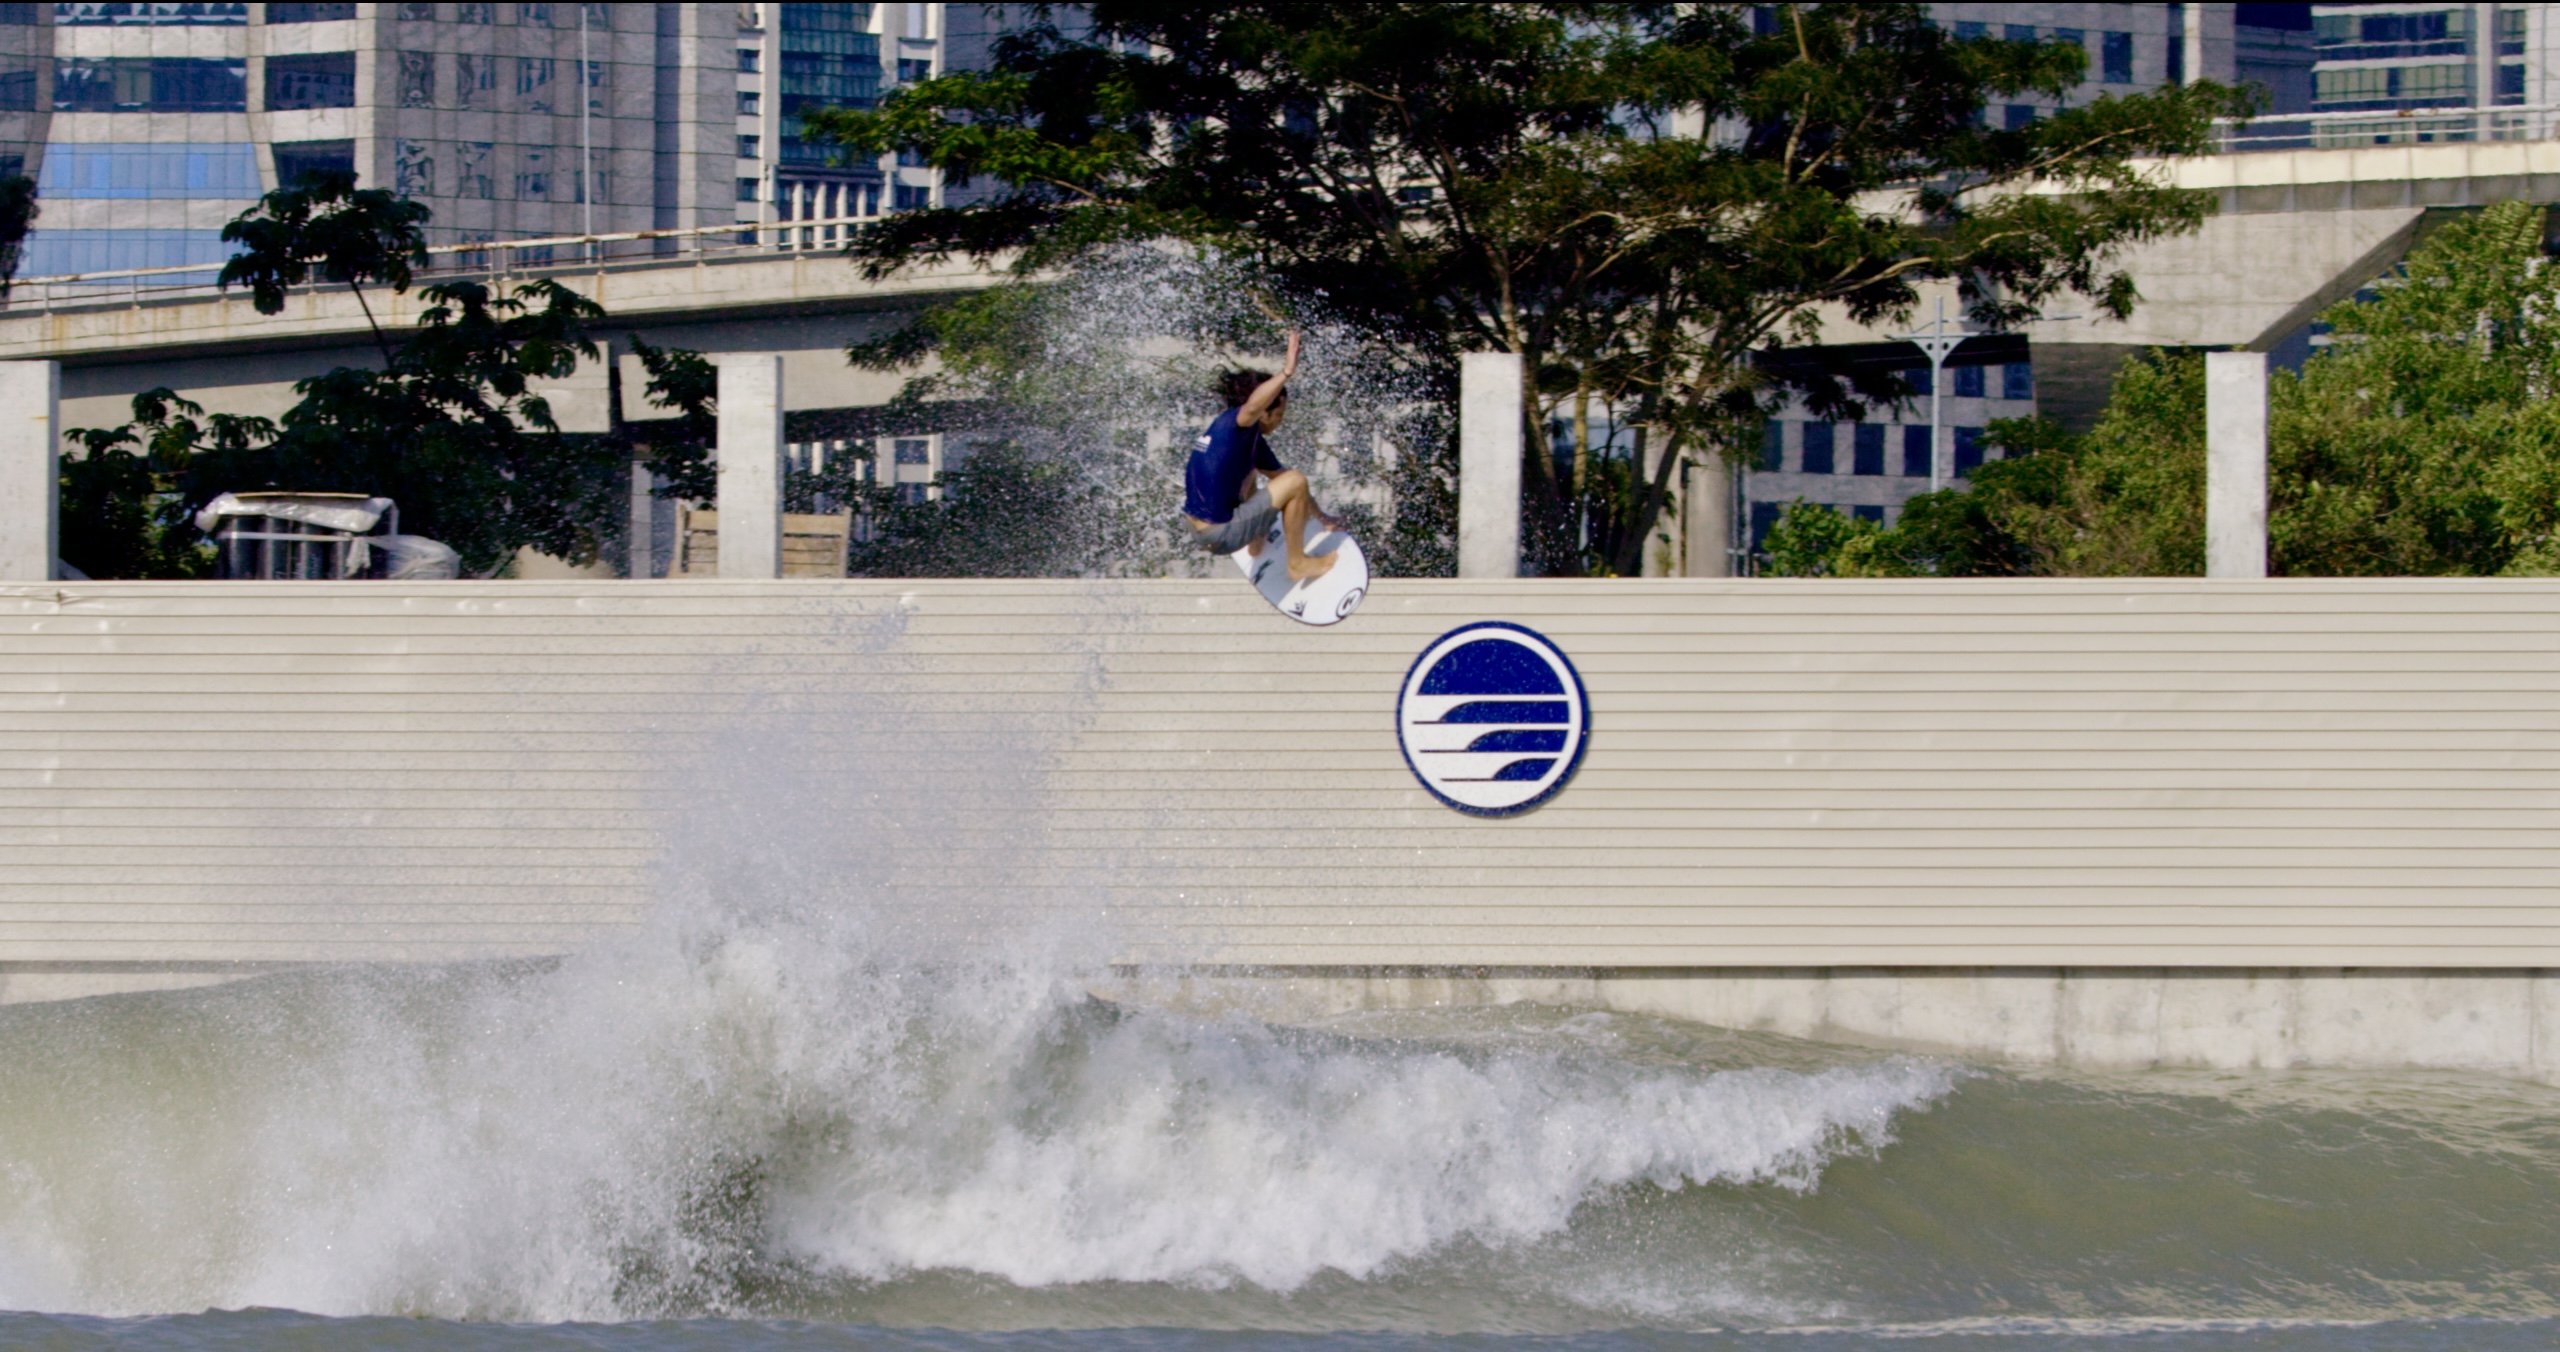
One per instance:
(1493, 719)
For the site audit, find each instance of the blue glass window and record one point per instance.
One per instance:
(52, 253)
(2018, 32)
(313, 80)
(915, 451)
(1968, 451)
(1817, 448)
(1874, 514)
(1919, 378)
(297, 158)
(1773, 445)
(18, 90)
(216, 170)
(1967, 31)
(2117, 50)
(282, 13)
(1915, 452)
(1867, 457)
(1968, 382)
(828, 59)
(2018, 116)
(2018, 381)
(143, 13)
(1764, 518)
(150, 84)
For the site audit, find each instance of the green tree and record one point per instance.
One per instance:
(17, 217)
(1634, 198)
(450, 426)
(2423, 441)
(123, 512)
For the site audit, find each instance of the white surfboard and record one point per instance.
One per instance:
(1321, 600)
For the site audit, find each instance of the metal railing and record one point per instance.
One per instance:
(741, 241)
(2388, 126)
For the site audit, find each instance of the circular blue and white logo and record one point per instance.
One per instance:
(1493, 719)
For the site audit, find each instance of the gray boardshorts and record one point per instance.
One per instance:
(1251, 522)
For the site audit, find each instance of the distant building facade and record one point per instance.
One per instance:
(2400, 59)
(149, 125)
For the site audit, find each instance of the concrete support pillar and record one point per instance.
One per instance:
(640, 530)
(1489, 464)
(751, 465)
(30, 469)
(1709, 528)
(2235, 474)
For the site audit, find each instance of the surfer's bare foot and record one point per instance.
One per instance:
(1312, 566)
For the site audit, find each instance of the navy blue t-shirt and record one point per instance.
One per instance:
(1220, 462)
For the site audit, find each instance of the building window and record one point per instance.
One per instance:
(750, 147)
(1866, 455)
(747, 189)
(911, 158)
(533, 82)
(2018, 116)
(533, 174)
(2018, 32)
(320, 13)
(147, 14)
(1817, 448)
(417, 79)
(1968, 382)
(750, 103)
(2511, 84)
(1967, 31)
(296, 160)
(1868, 513)
(471, 176)
(1773, 445)
(912, 69)
(473, 76)
(316, 80)
(826, 57)
(534, 16)
(218, 171)
(2116, 53)
(1968, 451)
(747, 60)
(2076, 37)
(475, 13)
(909, 197)
(1915, 452)
(1920, 378)
(1764, 519)
(51, 253)
(414, 168)
(2018, 380)
(17, 91)
(150, 84)
(910, 495)
(913, 451)
(414, 14)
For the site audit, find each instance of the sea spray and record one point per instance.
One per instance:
(1099, 377)
(854, 1046)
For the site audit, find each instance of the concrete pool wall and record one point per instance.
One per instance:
(2153, 822)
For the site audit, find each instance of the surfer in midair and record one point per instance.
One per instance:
(1226, 510)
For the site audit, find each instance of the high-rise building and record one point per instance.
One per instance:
(149, 125)
(2403, 59)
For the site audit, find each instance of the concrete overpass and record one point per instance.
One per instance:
(2298, 230)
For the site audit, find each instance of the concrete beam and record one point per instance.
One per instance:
(30, 474)
(2235, 477)
(1489, 464)
(750, 455)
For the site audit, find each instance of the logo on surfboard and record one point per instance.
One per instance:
(1493, 719)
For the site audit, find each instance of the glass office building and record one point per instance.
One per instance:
(149, 125)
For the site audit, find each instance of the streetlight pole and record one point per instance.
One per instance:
(1938, 344)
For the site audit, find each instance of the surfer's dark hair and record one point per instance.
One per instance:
(1238, 385)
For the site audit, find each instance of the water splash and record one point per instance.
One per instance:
(853, 1059)
(1102, 376)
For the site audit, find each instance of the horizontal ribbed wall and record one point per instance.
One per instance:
(1817, 774)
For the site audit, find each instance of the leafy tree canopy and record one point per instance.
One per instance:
(1632, 197)
(2423, 441)
(451, 425)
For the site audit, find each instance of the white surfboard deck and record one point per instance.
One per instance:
(1323, 600)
